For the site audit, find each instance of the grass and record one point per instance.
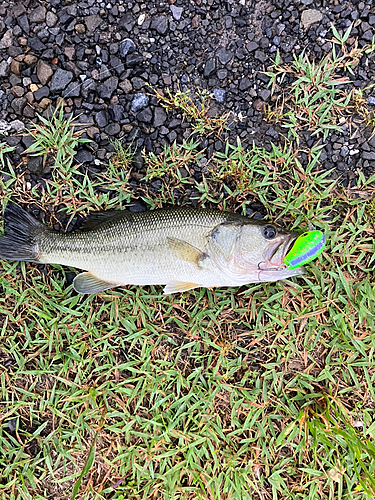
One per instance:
(56, 139)
(172, 160)
(195, 109)
(318, 99)
(264, 391)
(123, 156)
(5, 149)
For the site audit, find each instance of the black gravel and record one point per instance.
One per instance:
(100, 57)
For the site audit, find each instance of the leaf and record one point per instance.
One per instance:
(87, 466)
(347, 33)
(345, 283)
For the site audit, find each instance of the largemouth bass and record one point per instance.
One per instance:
(181, 248)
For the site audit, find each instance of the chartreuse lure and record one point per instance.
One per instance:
(306, 248)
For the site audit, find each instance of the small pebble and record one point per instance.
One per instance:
(219, 95)
(126, 47)
(140, 101)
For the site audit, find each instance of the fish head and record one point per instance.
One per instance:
(260, 252)
(253, 252)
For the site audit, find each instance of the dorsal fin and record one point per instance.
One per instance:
(96, 218)
(171, 206)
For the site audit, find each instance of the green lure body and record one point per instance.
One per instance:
(306, 248)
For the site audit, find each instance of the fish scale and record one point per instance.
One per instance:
(138, 246)
(181, 248)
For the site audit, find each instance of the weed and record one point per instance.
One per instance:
(198, 112)
(370, 208)
(315, 101)
(359, 102)
(4, 149)
(246, 170)
(122, 157)
(172, 160)
(57, 139)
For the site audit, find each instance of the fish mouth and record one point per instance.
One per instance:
(277, 254)
(275, 268)
(289, 245)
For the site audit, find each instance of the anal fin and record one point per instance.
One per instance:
(179, 286)
(88, 283)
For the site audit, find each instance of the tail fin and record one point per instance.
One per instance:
(21, 235)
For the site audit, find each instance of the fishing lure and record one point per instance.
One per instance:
(306, 248)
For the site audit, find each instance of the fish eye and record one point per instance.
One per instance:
(269, 232)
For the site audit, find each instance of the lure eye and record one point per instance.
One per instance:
(269, 232)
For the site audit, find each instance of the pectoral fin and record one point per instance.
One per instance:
(88, 283)
(185, 251)
(178, 286)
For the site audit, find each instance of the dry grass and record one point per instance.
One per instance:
(263, 391)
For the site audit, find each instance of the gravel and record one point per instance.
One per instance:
(160, 117)
(44, 72)
(219, 95)
(224, 56)
(210, 67)
(140, 101)
(100, 57)
(176, 12)
(61, 78)
(310, 17)
(106, 89)
(127, 46)
(4, 69)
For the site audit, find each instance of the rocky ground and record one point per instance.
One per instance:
(101, 56)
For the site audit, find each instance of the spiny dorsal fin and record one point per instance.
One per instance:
(185, 251)
(97, 218)
(178, 286)
(88, 283)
